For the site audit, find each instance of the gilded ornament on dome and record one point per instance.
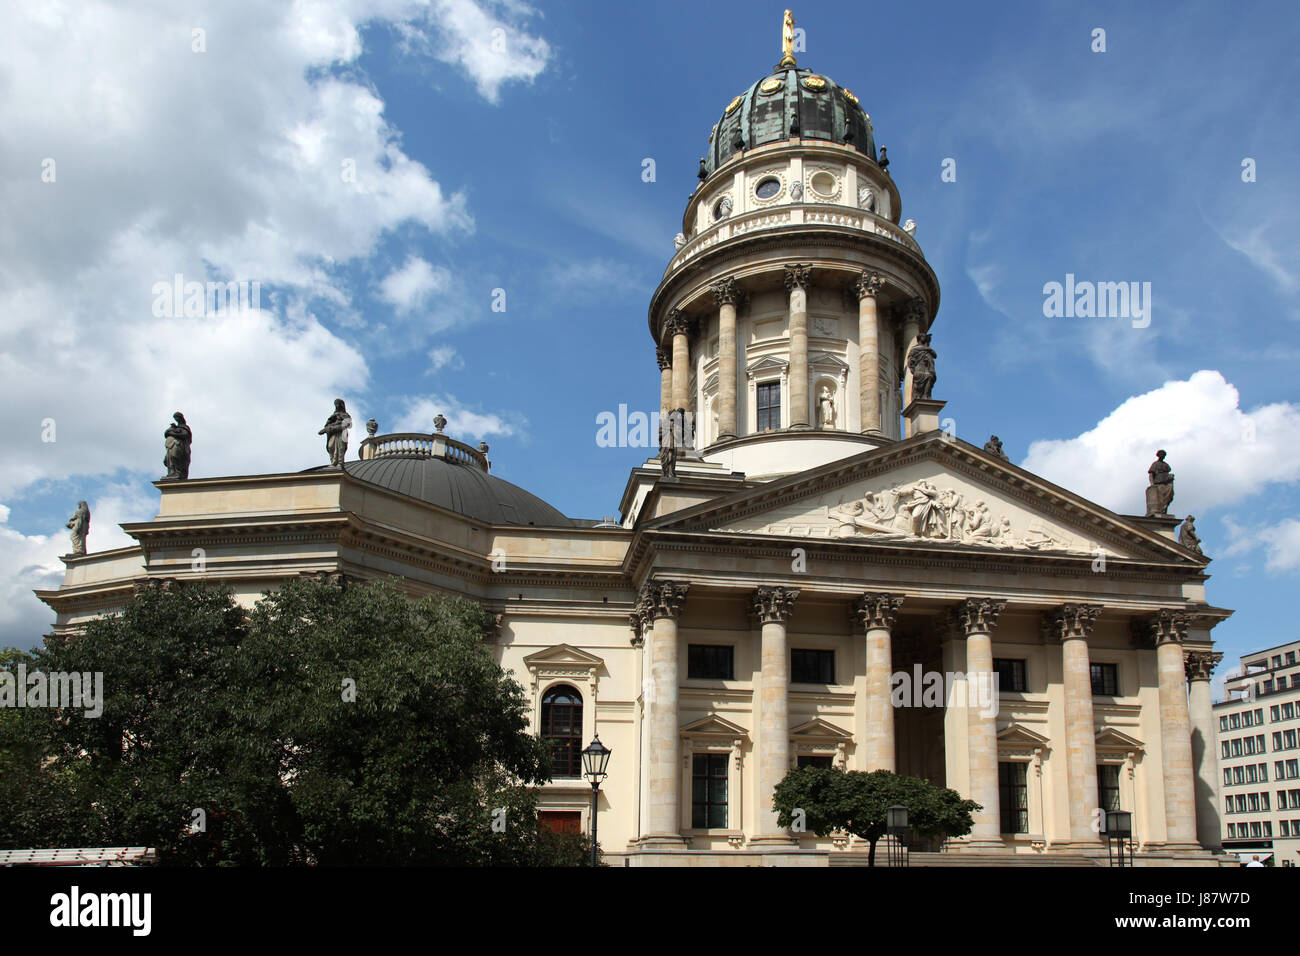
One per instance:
(848, 95)
(713, 132)
(770, 85)
(814, 82)
(731, 107)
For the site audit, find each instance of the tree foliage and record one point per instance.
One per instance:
(329, 725)
(856, 802)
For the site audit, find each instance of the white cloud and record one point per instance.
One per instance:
(412, 285)
(1280, 540)
(257, 159)
(463, 424)
(487, 40)
(444, 356)
(1220, 454)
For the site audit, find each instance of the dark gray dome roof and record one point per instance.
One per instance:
(791, 102)
(462, 488)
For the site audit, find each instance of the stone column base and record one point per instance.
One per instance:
(772, 840)
(660, 841)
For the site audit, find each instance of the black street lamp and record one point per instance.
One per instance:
(896, 826)
(1117, 827)
(594, 761)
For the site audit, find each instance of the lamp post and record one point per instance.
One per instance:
(896, 826)
(594, 760)
(1117, 827)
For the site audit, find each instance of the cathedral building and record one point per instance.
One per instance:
(812, 571)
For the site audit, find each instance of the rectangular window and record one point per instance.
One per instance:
(1236, 747)
(814, 760)
(1105, 679)
(1014, 795)
(1223, 723)
(1259, 716)
(1277, 740)
(1288, 739)
(812, 667)
(769, 406)
(711, 661)
(1227, 777)
(1263, 802)
(1293, 769)
(1290, 657)
(1247, 719)
(1283, 828)
(1226, 750)
(709, 791)
(1288, 711)
(1232, 830)
(1252, 802)
(1238, 775)
(1272, 713)
(1255, 829)
(1234, 721)
(1108, 786)
(1011, 674)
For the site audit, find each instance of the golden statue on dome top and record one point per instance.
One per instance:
(787, 41)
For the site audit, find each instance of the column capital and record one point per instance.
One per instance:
(664, 358)
(915, 309)
(1200, 665)
(774, 605)
(868, 284)
(678, 323)
(976, 616)
(798, 275)
(727, 291)
(877, 610)
(663, 599)
(1070, 621)
(1166, 626)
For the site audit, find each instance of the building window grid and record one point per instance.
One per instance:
(709, 791)
(1013, 793)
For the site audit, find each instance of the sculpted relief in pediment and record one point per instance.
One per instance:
(931, 508)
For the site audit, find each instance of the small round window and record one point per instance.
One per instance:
(768, 188)
(823, 184)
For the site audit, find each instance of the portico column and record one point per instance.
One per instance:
(798, 279)
(976, 618)
(1071, 624)
(1168, 629)
(679, 326)
(663, 602)
(913, 314)
(725, 293)
(868, 286)
(1205, 753)
(772, 606)
(876, 613)
(665, 383)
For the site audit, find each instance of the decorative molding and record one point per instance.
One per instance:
(976, 616)
(798, 275)
(774, 605)
(1167, 625)
(1070, 621)
(877, 610)
(726, 292)
(1200, 665)
(868, 284)
(664, 598)
(665, 359)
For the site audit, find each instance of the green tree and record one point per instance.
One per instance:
(329, 725)
(856, 801)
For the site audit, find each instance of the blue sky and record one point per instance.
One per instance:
(521, 170)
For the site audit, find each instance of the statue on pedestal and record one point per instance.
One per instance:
(79, 526)
(920, 362)
(826, 408)
(1160, 492)
(336, 431)
(178, 438)
(994, 447)
(1188, 537)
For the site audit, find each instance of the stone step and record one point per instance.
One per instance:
(859, 858)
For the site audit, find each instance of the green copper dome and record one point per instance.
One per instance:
(788, 104)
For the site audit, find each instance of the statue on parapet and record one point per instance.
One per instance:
(336, 431)
(79, 527)
(920, 362)
(1160, 492)
(1187, 535)
(178, 438)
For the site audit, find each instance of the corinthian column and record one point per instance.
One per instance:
(1168, 630)
(725, 293)
(665, 383)
(679, 326)
(868, 286)
(1205, 753)
(798, 279)
(772, 606)
(1071, 624)
(662, 602)
(976, 618)
(876, 613)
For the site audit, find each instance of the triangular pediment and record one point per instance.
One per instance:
(714, 726)
(930, 492)
(563, 654)
(1018, 735)
(1109, 738)
(820, 729)
(765, 364)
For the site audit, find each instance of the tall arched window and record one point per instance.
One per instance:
(562, 730)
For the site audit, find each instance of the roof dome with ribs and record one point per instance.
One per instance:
(789, 104)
